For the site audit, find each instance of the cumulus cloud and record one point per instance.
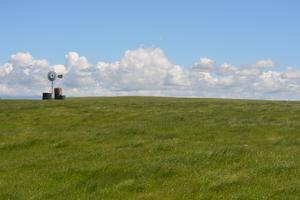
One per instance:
(79, 72)
(227, 69)
(23, 75)
(264, 64)
(60, 69)
(141, 69)
(204, 65)
(148, 71)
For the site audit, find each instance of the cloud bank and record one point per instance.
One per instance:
(147, 71)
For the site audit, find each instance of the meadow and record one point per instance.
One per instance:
(149, 148)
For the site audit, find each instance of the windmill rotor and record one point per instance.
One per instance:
(52, 76)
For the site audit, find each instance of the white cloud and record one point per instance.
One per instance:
(147, 71)
(6, 69)
(78, 71)
(23, 75)
(204, 65)
(227, 69)
(141, 69)
(60, 69)
(264, 64)
(21, 59)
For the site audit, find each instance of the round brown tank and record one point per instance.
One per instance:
(57, 93)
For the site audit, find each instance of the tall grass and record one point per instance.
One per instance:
(149, 148)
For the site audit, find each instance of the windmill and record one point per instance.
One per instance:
(52, 76)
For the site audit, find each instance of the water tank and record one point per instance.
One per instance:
(47, 95)
(58, 94)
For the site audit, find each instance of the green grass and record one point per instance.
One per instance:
(149, 148)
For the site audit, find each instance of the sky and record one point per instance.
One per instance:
(179, 48)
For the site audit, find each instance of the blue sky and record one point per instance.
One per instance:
(235, 31)
(204, 48)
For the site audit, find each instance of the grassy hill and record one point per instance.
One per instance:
(149, 148)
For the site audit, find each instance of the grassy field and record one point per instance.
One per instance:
(149, 148)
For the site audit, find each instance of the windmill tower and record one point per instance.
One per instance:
(52, 78)
(49, 95)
